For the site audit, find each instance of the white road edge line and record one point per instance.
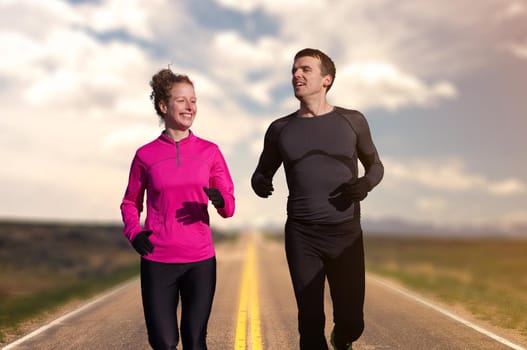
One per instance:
(68, 315)
(447, 313)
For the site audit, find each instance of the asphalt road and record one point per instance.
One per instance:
(393, 320)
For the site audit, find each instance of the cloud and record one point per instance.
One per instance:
(221, 118)
(507, 187)
(273, 6)
(130, 16)
(390, 60)
(67, 68)
(514, 220)
(512, 10)
(92, 75)
(264, 65)
(20, 15)
(249, 68)
(380, 84)
(84, 103)
(127, 136)
(428, 38)
(432, 204)
(74, 88)
(448, 175)
(510, 19)
(518, 49)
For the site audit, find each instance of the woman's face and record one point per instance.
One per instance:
(182, 107)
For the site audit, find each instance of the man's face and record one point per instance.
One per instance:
(307, 77)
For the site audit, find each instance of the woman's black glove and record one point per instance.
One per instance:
(215, 197)
(262, 186)
(142, 244)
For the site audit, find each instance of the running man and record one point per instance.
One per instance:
(319, 146)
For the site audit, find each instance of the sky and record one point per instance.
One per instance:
(442, 85)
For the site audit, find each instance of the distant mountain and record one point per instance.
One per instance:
(398, 226)
(401, 226)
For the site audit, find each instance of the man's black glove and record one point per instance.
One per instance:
(354, 190)
(262, 186)
(215, 197)
(142, 244)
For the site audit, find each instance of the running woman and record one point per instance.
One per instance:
(180, 173)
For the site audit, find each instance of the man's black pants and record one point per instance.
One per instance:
(316, 252)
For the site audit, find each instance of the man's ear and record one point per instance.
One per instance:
(328, 79)
(162, 107)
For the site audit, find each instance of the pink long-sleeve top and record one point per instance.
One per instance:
(173, 175)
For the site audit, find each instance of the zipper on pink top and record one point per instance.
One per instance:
(177, 153)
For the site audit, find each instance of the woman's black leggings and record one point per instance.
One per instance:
(162, 285)
(315, 252)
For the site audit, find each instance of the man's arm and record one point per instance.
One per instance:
(268, 164)
(366, 150)
(368, 155)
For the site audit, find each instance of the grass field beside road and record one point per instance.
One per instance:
(486, 276)
(45, 265)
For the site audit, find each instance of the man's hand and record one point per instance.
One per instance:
(354, 190)
(262, 186)
(215, 197)
(142, 244)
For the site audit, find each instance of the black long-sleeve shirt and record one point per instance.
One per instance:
(320, 154)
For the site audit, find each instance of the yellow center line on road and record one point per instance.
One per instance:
(248, 334)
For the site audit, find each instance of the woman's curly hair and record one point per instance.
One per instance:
(161, 84)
